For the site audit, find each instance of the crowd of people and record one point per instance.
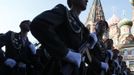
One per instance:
(67, 46)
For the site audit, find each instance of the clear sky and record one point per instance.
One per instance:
(12, 12)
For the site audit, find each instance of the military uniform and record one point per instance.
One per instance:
(58, 29)
(17, 49)
(98, 55)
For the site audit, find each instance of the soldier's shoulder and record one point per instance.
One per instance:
(10, 32)
(60, 7)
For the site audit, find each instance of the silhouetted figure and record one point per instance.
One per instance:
(98, 52)
(109, 48)
(116, 65)
(60, 31)
(19, 51)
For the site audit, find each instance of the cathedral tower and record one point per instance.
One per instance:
(96, 13)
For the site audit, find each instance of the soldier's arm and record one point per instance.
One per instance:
(48, 21)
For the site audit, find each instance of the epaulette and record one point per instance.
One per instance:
(60, 6)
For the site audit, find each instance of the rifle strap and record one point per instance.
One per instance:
(88, 56)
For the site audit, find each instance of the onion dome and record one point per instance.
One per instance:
(132, 2)
(113, 20)
(125, 21)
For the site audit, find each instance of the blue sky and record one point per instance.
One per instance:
(12, 12)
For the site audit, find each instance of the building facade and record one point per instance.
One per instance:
(120, 30)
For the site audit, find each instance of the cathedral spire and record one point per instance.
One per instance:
(96, 13)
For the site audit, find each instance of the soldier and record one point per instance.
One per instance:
(109, 47)
(19, 50)
(98, 52)
(60, 31)
(124, 70)
(116, 65)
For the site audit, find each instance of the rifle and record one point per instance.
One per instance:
(88, 45)
(84, 49)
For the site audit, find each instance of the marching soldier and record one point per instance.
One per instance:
(19, 50)
(116, 65)
(109, 47)
(98, 52)
(60, 31)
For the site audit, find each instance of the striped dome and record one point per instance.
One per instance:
(125, 21)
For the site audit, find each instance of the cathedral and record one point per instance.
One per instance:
(121, 30)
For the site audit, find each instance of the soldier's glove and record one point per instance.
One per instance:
(73, 57)
(10, 62)
(93, 35)
(21, 65)
(104, 66)
(110, 54)
(33, 49)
